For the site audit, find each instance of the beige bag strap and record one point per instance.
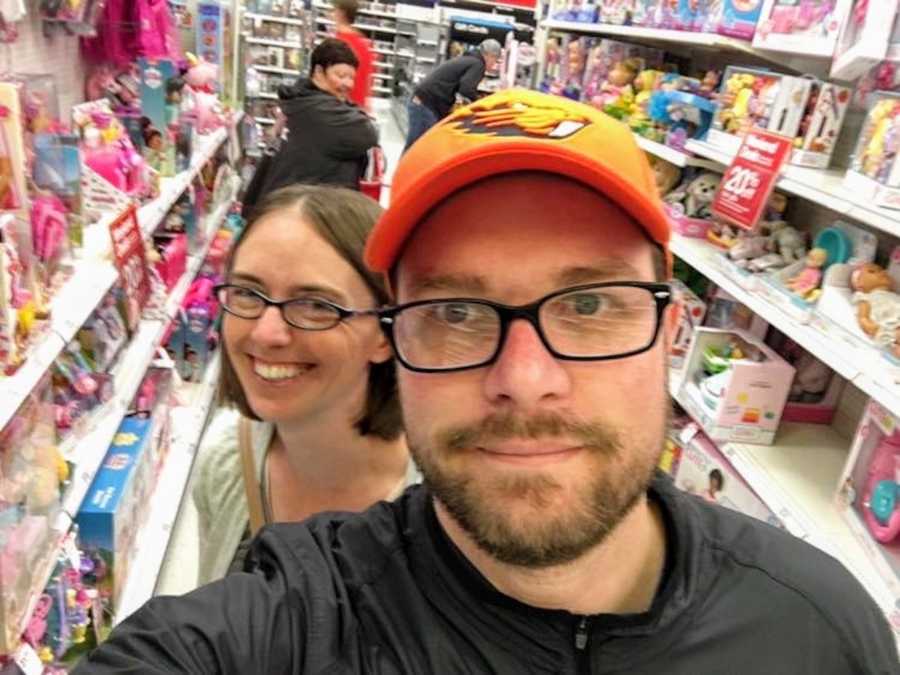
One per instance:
(251, 478)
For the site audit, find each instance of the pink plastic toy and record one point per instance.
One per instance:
(881, 501)
(48, 225)
(202, 78)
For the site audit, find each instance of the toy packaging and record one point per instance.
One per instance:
(726, 313)
(808, 110)
(808, 27)
(869, 491)
(863, 42)
(875, 169)
(797, 288)
(116, 504)
(703, 470)
(816, 388)
(735, 386)
(739, 18)
(12, 151)
(691, 310)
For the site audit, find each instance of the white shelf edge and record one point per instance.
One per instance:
(277, 70)
(153, 539)
(277, 19)
(272, 43)
(671, 155)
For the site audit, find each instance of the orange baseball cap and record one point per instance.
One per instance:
(517, 130)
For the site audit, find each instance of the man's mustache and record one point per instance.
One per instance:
(504, 427)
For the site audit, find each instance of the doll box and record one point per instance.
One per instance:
(735, 399)
(863, 41)
(703, 470)
(821, 124)
(746, 279)
(809, 27)
(739, 18)
(113, 510)
(774, 289)
(691, 310)
(874, 457)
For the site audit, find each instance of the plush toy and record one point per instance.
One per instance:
(201, 78)
(788, 242)
(667, 175)
(700, 194)
(811, 381)
(877, 307)
(748, 247)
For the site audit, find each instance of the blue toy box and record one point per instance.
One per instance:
(117, 501)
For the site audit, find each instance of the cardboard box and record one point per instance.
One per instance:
(691, 310)
(872, 466)
(810, 28)
(702, 470)
(735, 399)
(117, 502)
(863, 42)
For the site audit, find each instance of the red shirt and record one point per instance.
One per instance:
(362, 48)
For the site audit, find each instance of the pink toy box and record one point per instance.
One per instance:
(863, 42)
(703, 470)
(809, 27)
(691, 310)
(868, 493)
(874, 173)
(735, 386)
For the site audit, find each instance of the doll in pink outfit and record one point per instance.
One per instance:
(807, 282)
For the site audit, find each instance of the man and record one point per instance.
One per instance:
(525, 247)
(328, 137)
(344, 16)
(435, 96)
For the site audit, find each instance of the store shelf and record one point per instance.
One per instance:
(676, 157)
(704, 257)
(382, 76)
(265, 95)
(382, 64)
(428, 43)
(264, 120)
(381, 90)
(188, 423)
(277, 70)
(385, 52)
(709, 41)
(821, 186)
(272, 43)
(276, 19)
(151, 214)
(425, 59)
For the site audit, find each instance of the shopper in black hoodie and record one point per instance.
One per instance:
(436, 94)
(328, 136)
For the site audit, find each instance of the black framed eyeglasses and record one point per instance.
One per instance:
(593, 322)
(303, 313)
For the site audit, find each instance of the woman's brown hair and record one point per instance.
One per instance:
(344, 219)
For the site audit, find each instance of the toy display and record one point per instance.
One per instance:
(735, 386)
(703, 470)
(12, 153)
(869, 490)
(875, 168)
(798, 287)
(863, 42)
(691, 310)
(739, 18)
(801, 26)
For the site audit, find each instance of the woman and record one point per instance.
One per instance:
(328, 137)
(313, 377)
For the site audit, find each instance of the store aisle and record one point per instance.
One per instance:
(179, 571)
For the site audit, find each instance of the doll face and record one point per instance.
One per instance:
(620, 75)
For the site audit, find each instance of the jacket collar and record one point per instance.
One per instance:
(451, 581)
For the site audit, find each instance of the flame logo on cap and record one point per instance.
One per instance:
(502, 116)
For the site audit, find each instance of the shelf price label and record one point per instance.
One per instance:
(128, 250)
(749, 180)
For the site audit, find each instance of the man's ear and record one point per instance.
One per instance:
(670, 320)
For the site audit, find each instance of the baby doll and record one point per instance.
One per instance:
(806, 284)
(877, 307)
(618, 83)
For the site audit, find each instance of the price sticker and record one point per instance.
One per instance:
(27, 660)
(749, 180)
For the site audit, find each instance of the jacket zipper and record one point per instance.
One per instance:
(582, 653)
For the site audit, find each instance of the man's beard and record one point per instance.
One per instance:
(548, 535)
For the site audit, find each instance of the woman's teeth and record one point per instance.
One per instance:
(279, 372)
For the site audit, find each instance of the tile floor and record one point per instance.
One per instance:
(179, 570)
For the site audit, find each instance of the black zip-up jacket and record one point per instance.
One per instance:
(387, 592)
(327, 140)
(460, 75)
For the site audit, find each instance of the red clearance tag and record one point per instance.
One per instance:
(749, 180)
(128, 251)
